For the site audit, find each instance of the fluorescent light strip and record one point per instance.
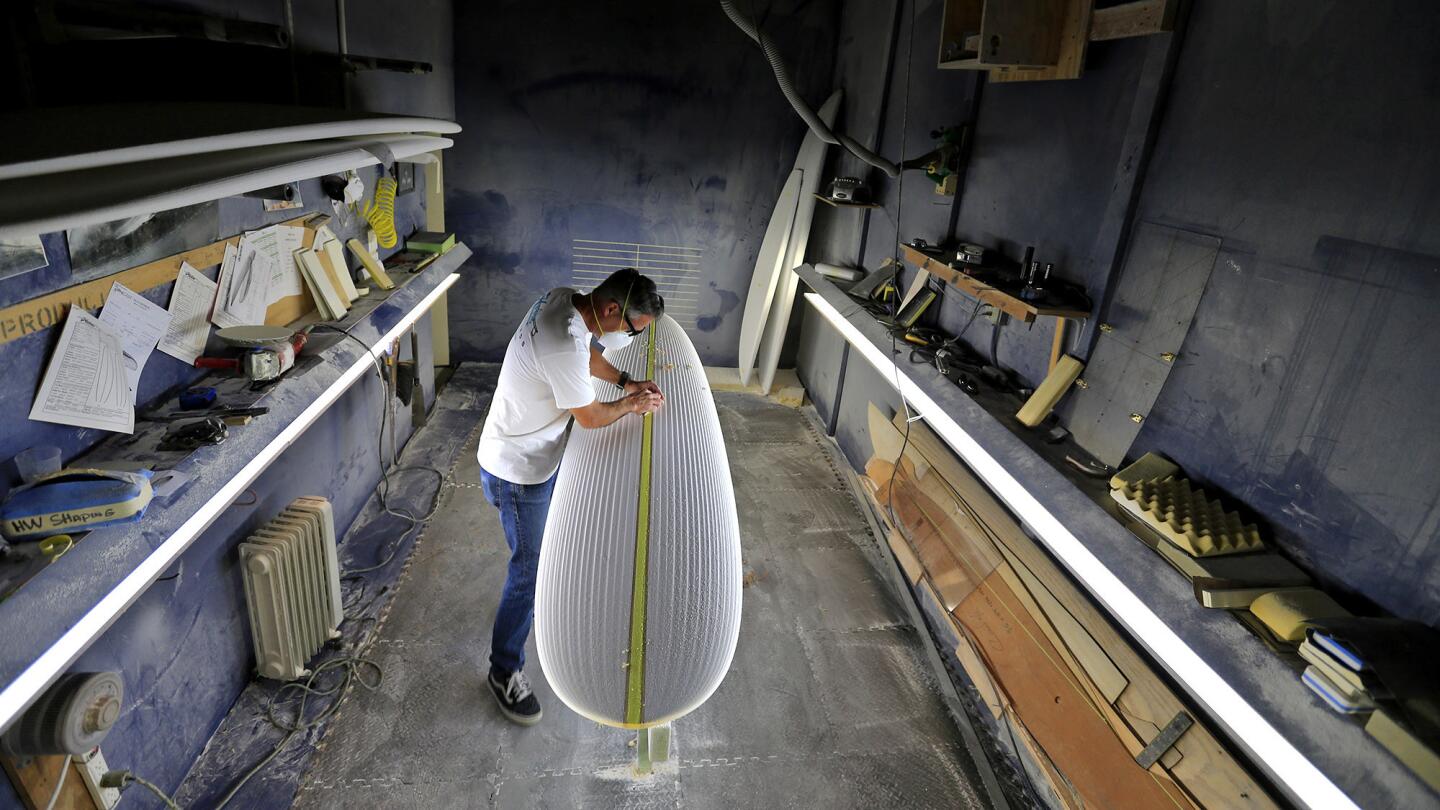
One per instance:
(53, 662)
(1275, 753)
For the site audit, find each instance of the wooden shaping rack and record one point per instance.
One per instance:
(1009, 304)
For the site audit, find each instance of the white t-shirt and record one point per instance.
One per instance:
(545, 374)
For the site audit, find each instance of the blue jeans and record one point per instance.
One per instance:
(523, 508)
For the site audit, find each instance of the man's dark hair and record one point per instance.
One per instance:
(642, 300)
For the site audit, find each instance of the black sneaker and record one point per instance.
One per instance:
(515, 697)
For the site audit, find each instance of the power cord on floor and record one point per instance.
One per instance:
(122, 779)
(353, 666)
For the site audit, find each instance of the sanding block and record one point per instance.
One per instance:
(1287, 613)
(74, 500)
(1227, 594)
(1333, 668)
(1146, 468)
(1188, 517)
(1337, 696)
(1237, 570)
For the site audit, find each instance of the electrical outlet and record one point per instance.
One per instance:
(92, 767)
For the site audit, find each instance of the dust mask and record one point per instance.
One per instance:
(613, 340)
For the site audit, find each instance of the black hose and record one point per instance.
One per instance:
(787, 87)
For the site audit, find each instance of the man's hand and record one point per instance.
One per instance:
(646, 401)
(635, 386)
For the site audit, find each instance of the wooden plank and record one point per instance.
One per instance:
(1073, 44)
(979, 675)
(1057, 345)
(39, 314)
(909, 563)
(1077, 739)
(1136, 19)
(1205, 769)
(35, 783)
(1092, 660)
(435, 221)
(952, 579)
(1063, 791)
(1014, 307)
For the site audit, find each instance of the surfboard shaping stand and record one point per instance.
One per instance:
(637, 602)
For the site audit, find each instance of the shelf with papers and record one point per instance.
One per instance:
(50, 620)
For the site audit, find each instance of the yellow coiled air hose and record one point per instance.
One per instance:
(380, 213)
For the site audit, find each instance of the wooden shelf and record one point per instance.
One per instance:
(1040, 39)
(842, 204)
(1009, 304)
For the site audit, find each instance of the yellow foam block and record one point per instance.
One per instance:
(1146, 468)
(1186, 517)
(1288, 612)
(1054, 386)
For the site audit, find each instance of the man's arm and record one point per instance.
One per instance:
(601, 369)
(599, 414)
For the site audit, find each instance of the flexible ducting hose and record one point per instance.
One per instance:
(782, 77)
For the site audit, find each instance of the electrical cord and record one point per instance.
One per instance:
(354, 666)
(122, 779)
(59, 783)
(413, 521)
(787, 87)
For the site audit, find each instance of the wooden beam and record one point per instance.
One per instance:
(1137, 19)
(435, 221)
(1057, 346)
(34, 782)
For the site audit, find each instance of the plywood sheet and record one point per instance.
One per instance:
(1205, 768)
(1075, 737)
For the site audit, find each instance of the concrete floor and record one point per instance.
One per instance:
(829, 702)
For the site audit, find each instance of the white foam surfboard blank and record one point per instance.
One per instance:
(767, 273)
(811, 161)
(584, 595)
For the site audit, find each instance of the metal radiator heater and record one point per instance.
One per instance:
(292, 587)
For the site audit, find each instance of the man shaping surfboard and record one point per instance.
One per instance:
(544, 382)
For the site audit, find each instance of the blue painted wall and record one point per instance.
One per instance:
(655, 122)
(1305, 387)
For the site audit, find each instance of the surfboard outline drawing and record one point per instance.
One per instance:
(638, 595)
(775, 317)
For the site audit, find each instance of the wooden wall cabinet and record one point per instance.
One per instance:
(1031, 40)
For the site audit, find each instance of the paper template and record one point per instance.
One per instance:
(85, 384)
(189, 315)
(140, 325)
(244, 286)
(279, 243)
